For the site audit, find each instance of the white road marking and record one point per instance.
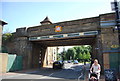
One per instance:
(47, 76)
(80, 76)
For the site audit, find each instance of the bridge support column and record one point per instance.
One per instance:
(23, 47)
(35, 55)
(109, 38)
(97, 50)
(110, 42)
(38, 55)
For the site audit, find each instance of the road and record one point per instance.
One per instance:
(70, 71)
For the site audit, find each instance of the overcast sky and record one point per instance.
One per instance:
(18, 13)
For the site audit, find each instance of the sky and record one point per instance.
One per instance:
(61, 48)
(28, 13)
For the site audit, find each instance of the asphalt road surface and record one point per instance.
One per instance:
(69, 72)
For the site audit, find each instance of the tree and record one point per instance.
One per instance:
(83, 52)
(84, 56)
(6, 36)
(63, 55)
(78, 51)
(88, 56)
(71, 53)
(80, 56)
(58, 56)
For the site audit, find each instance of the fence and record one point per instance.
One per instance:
(10, 62)
(14, 63)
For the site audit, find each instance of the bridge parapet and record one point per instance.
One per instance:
(107, 20)
(21, 32)
(75, 26)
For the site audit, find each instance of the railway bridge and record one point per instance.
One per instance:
(99, 32)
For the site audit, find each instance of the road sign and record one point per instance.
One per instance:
(113, 5)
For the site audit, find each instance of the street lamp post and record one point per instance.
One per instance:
(117, 12)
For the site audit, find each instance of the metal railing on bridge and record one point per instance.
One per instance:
(64, 35)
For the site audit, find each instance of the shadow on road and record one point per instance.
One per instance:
(48, 73)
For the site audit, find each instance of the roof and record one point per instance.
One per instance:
(46, 20)
(3, 22)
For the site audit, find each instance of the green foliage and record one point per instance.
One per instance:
(78, 52)
(6, 36)
(77, 49)
(63, 54)
(80, 56)
(82, 52)
(88, 56)
(71, 53)
(59, 56)
(84, 55)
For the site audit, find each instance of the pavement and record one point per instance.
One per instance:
(24, 71)
(18, 72)
(102, 76)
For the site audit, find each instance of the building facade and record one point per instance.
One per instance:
(50, 56)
